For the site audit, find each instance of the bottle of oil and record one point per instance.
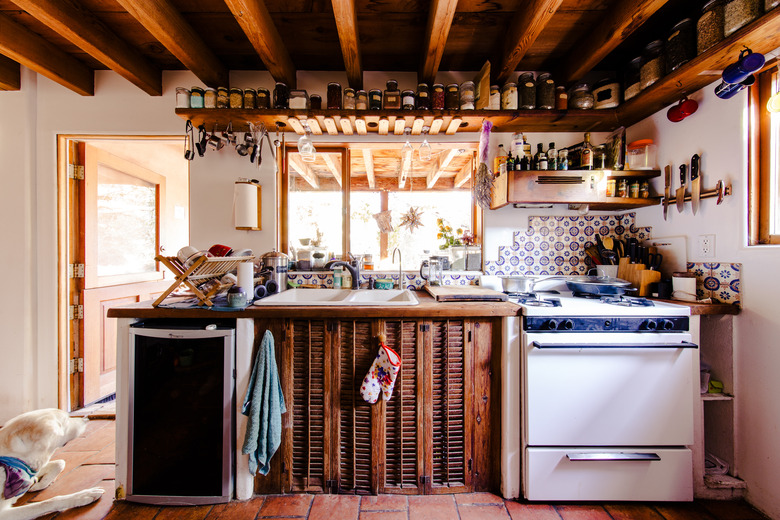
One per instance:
(586, 156)
(499, 163)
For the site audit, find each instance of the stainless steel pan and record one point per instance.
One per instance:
(524, 284)
(597, 285)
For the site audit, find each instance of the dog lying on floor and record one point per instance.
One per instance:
(27, 442)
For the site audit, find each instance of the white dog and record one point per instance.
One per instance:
(27, 442)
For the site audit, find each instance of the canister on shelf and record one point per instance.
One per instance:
(375, 99)
(437, 99)
(182, 97)
(423, 99)
(391, 99)
(349, 99)
(452, 97)
(622, 188)
(315, 102)
(631, 83)
(527, 91)
(333, 97)
(361, 100)
(770, 4)
(611, 185)
(739, 13)
(561, 98)
(196, 97)
(644, 190)
(581, 97)
(250, 97)
(509, 96)
(223, 97)
(709, 27)
(680, 45)
(263, 98)
(563, 159)
(467, 95)
(652, 64)
(633, 189)
(495, 98)
(299, 100)
(606, 93)
(545, 91)
(236, 98)
(210, 98)
(407, 99)
(281, 96)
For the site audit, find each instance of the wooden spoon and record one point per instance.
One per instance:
(608, 243)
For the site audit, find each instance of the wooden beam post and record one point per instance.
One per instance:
(368, 158)
(345, 13)
(439, 22)
(257, 24)
(27, 48)
(526, 26)
(167, 24)
(464, 175)
(86, 31)
(333, 162)
(622, 19)
(10, 74)
(303, 169)
(441, 164)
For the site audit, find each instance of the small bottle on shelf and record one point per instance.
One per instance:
(586, 155)
(541, 158)
(552, 157)
(499, 163)
(563, 159)
(510, 163)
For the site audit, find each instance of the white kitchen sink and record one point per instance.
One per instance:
(365, 297)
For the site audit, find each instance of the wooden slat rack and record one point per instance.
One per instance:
(198, 273)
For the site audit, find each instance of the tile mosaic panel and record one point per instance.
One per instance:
(555, 245)
(719, 281)
(412, 280)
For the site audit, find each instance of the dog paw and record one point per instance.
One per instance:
(88, 496)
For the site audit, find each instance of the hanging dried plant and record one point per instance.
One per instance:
(384, 221)
(483, 182)
(412, 218)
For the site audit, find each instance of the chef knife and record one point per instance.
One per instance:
(695, 183)
(667, 187)
(680, 194)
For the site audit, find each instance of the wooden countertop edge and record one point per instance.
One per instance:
(427, 307)
(702, 309)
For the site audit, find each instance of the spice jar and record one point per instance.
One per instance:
(652, 64)
(250, 96)
(563, 159)
(361, 100)
(423, 99)
(281, 96)
(739, 13)
(236, 98)
(407, 99)
(494, 101)
(561, 98)
(644, 190)
(196, 97)
(709, 27)
(210, 98)
(611, 185)
(633, 189)
(437, 99)
(680, 45)
(581, 97)
(182, 97)
(599, 157)
(299, 100)
(375, 99)
(467, 95)
(349, 99)
(392, 96)
(223, 98)
(606, 93)
(527, 91)
(622, 190)
(263, 98)
(509, 96)
(315, 102)
(452, 97)
(333, 96)
(545, 91)
(631, 85)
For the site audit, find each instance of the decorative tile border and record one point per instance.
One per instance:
(555, 245)
(719, 281)
(412, 281)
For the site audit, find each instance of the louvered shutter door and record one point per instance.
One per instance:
(403, 447)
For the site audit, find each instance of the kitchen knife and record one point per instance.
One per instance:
(680, 194)
(695, 183)
(667, 187)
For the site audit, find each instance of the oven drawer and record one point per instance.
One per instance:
(644, 474)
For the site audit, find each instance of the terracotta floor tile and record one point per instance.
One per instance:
(478, 498)
(183, 513)
(290, 505)
(341, 507)
(531, 511)
(582, 512)
(483, 512)
(79, 478)
(129, 511)
(432, 507)
(683, 511)
(383, 515)
(95, 440)
(384, 503)
(632, 512)
(105, 456)
(731, 510)
(236, 510)
(95, 511)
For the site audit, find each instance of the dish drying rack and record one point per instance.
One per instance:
(202, 270)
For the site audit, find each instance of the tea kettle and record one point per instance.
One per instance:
(274, 266)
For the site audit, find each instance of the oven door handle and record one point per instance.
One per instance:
(611, 456)
(681, 344)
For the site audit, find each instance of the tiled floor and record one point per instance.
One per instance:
(90, 463)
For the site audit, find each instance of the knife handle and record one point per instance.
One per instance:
(694, 167)
(683, 172)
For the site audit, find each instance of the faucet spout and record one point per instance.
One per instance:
(354, 271)
(400, 272)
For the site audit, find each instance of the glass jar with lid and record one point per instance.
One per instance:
(375, 99)
(236, 98)
(281, 96)
(263, 98)
(361, 100)
(452, 97)
(631, 84)
(423, 99)
(407, 99)
(709, 26)
(299, 100)
(182, 97)
(349, 99)
(680, 45)
(606, 93)
(392, 96)
(437, 98)
(509, 96)
(196, 97)
(223, 97)
(581, 97)
(250, 97)
(527, 91)
(770, 4)
(315, 102)
(739, 13)
(561, 98)
(467, 95)
(545, 91)
(653, 66)
(494, 102)
(333, 96)
(210, 98)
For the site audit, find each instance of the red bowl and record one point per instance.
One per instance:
(220, 250)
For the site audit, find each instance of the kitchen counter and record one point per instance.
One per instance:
(704, 309)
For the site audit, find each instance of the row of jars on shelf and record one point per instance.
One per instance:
(687, 39)
(527, 93)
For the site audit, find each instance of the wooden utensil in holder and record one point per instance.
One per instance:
(637, 275)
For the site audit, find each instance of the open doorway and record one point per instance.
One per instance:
(122, 200)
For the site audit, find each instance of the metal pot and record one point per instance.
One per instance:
(275, 264)
(523, 284)
(597, 285)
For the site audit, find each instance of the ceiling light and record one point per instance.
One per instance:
(306, 146)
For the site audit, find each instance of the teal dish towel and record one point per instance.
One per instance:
(264, 405)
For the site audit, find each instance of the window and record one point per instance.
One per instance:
(765, 158)
(393, 199)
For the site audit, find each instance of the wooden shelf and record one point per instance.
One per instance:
(716, 397)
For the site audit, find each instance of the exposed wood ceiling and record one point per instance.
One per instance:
(66, 40)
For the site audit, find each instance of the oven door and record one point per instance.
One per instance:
(609, 389)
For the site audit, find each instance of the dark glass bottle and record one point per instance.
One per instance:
(586, 155)
(541, 158)
(437, 99)
(392, 96)
(452, 97)
(423, 99)
(407, 100)
(375, 99)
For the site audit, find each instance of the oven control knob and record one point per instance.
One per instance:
(667, 325)
(567, 325)
(550, 325)
(648, 325)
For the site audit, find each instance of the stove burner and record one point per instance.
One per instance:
(627, 301)
(586, 295)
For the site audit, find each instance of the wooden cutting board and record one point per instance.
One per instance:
(464, 293)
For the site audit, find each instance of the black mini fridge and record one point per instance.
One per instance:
(180, 448)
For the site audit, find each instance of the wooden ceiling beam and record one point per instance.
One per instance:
(438, 29)
(622, 19)
(257, 24)
(464, 175)
(527, 24)
(29, 49)
(10, 74)
(170, 28)
(303, 170)
(440, 165)
(368, 159)
(333, 162)
(345, 13)
(87, 32)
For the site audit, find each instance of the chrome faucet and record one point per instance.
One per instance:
(353, 267)
(400, 273)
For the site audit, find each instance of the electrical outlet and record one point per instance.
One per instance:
(707, 246)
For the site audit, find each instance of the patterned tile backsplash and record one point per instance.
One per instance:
(411, 280)
(556, 245)
(719, 281)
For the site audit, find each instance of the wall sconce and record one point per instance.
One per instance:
(306, 146)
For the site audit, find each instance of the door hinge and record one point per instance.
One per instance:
(330, 326)
(424, 327)
(470, 465)
(76, 171)
(469, 337)
(424, 479)
(76, 270)
(333, 485)
(75, 312)
(76, 365)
